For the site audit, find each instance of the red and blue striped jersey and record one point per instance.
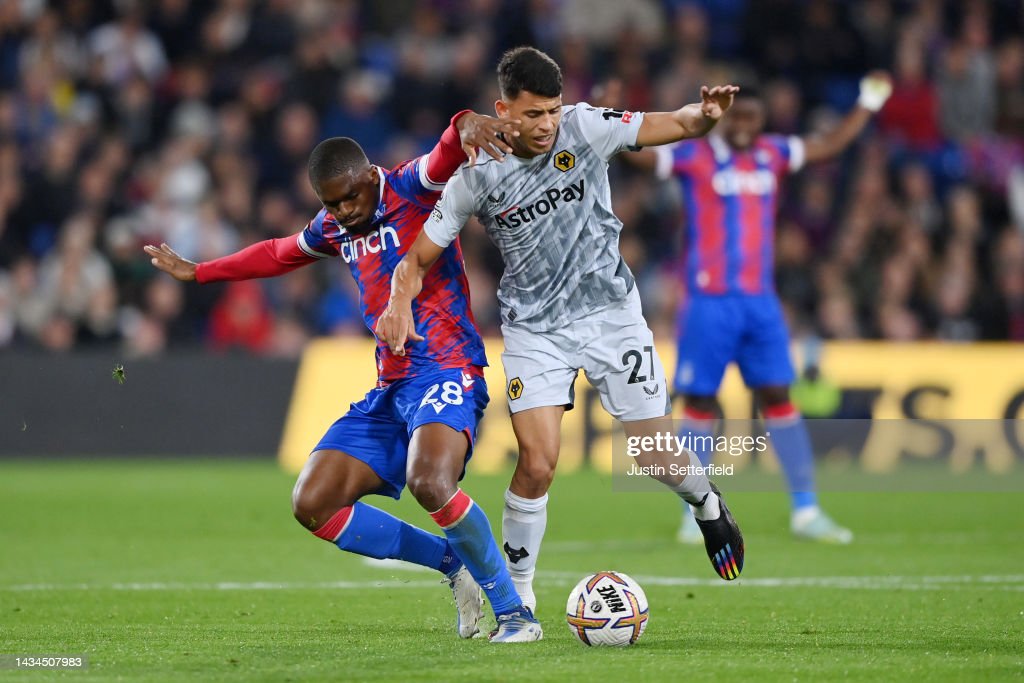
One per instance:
(442, 310)
(730, 197)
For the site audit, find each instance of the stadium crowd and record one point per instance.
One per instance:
(128, 123)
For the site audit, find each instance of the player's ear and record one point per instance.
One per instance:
(501, 109)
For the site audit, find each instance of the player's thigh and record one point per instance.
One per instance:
(442, 411)
(709, 336)
(540, 370)
(622, 363)
(763, 355)
(373, 433)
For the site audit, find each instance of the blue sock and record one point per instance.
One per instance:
(793, 446)
(366, 530)
(697, 425)
(469, 533)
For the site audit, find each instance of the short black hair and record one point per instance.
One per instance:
(529, 69)
(334, 157)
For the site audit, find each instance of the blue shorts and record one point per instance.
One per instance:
(717, 330)
(377, 429)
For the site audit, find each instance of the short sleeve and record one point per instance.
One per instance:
(679, 158)
(320, 237)
(451, 212)
(608, 131)
(790, 150)
(410, 181)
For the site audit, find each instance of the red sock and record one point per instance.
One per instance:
(452, 512)
(335, 525)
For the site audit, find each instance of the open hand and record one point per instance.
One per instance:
(168, 261)
(716, 101)
(487, 133)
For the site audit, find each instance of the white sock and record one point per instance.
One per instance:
(696, 490)
(522, 529)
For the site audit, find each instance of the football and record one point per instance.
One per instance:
(607, 609)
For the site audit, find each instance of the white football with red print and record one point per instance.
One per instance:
(607, 609)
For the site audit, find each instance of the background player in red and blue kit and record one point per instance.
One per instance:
(731, 313)
(417, 426)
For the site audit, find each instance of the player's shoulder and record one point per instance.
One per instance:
(400, 166)
(773, 141)
(485, 171)
(580, 113)
(578, 109)
(323, 219)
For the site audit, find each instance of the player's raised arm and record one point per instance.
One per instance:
(486, 133)
(690, 121)
(468, 133)
(875, 89)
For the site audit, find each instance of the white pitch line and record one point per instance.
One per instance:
(1012, 582)
(1009, 582)
(222, 586)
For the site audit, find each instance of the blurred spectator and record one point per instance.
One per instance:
(967, 82)
(241, 319)
(124, 48)
(911, 116)
(129, 122)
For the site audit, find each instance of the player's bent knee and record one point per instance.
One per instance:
(535, 472)
(773, 396)
(431, 489)
(313, 502)
(703, 404)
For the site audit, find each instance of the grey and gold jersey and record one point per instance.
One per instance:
(551, 218)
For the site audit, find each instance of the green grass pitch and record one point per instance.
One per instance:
(192, 570)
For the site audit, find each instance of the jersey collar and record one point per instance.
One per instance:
(719, 147)
(378, 215)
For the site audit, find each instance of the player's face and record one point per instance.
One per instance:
(352, 198)
(743, 122)
(540, 116)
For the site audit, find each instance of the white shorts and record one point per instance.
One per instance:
(613, 346)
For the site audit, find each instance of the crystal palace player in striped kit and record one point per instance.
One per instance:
(730, 184)
(418, 424)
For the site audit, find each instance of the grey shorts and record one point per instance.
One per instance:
(614, 348)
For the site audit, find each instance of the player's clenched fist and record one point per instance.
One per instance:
(395, 327)
(715, 101)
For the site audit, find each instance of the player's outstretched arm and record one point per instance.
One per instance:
(268, 258)
(875, 89)
(396, 325)
(691, 121)
(167, 260)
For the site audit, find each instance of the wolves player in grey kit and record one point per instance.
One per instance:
(568, 300)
